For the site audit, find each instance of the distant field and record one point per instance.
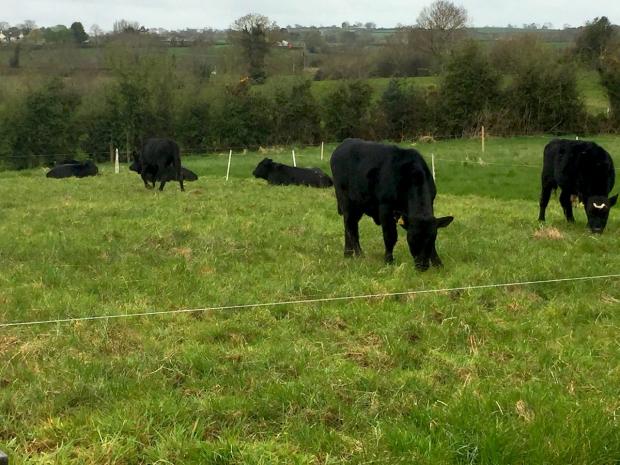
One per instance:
(493, 376)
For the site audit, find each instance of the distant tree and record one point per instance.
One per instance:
(444, 23)
(609, 70)
(12, 33)
(403, 111)
(593, 40)
(347, 110)
(79, 36)
(314, 40)
(96, 32)
(123, 26)
(4, 26)
(14, 59)
(370, 25)
(469, 90)
(345, 25)
(251, 34)
(27, 26)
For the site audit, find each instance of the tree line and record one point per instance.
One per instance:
(529, 90)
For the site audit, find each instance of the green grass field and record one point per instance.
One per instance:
(515, 375)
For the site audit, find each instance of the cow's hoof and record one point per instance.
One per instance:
(389, 260)
(348, 254)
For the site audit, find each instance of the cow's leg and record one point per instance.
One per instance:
(145, 180)
(567, 205)
(161, 185)
(545, 195)
(390, 235)
(352, 217)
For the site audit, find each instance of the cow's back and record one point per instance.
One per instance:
(579, 166)
(156, 151)
(368, 172)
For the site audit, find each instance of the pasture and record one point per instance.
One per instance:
(511, 375)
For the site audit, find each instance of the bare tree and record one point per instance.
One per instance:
(251, 32)
(27, 26)
(4, 26)
(96, 32)
(443, 23)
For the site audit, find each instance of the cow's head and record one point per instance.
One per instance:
(136, 164)
(597, 210)
(421, 236)
(263, 168)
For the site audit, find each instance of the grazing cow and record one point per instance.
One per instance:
(168, 175)
(283, 175)
(389, 184)
(581, 169)
(78, 170)
(156, 156)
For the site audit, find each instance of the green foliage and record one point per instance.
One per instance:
(57, 34)
(194, 124)
(469, 90)
(79, 36)
(347, 110)
(243, 119)
(610, 78)
(296, 114)
(591, 44)
(250, 33)
(543, 97)
(45, 128)
(404, 110)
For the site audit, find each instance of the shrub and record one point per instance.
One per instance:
(347, 110)
(470, 90)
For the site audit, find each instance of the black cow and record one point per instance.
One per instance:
(156, 156)
(78, 170)
(581, 169)
(389, 184)
(168, 175)
(283, 175)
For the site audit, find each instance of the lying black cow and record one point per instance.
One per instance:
(78, 170)
(283, 175)
(581, 169)
(155, 158)
(388, 184)
(168, 175)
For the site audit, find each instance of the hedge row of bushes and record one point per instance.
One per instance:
(146, 99)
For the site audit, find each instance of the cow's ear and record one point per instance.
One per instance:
(443, 221)
(613, 200)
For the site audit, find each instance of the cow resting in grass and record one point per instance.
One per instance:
(77, 169)
(583, 170)
(283, 175)
(391, 185)
(155, 158)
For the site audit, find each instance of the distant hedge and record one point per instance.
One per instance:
(145, 98)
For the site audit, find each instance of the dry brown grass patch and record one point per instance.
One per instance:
(550, 233)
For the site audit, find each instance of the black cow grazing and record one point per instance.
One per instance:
(78, 170)
(283, 175)
(581, 169)
(168, 175)
(156, 156)
(389, 184)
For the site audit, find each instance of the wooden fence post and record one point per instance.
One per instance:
(116, 165)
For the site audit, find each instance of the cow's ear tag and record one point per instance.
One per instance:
(401, 221)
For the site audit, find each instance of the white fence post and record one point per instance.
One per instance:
(228, 169)
(321, 151)
(117, 168)
(433, 165)
(294, 161)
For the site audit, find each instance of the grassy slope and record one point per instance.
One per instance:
(523, 375)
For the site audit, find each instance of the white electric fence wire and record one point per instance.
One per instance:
(306, 301)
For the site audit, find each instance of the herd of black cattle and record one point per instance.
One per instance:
(394, 186)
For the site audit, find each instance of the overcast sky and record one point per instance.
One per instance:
(173, 14)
